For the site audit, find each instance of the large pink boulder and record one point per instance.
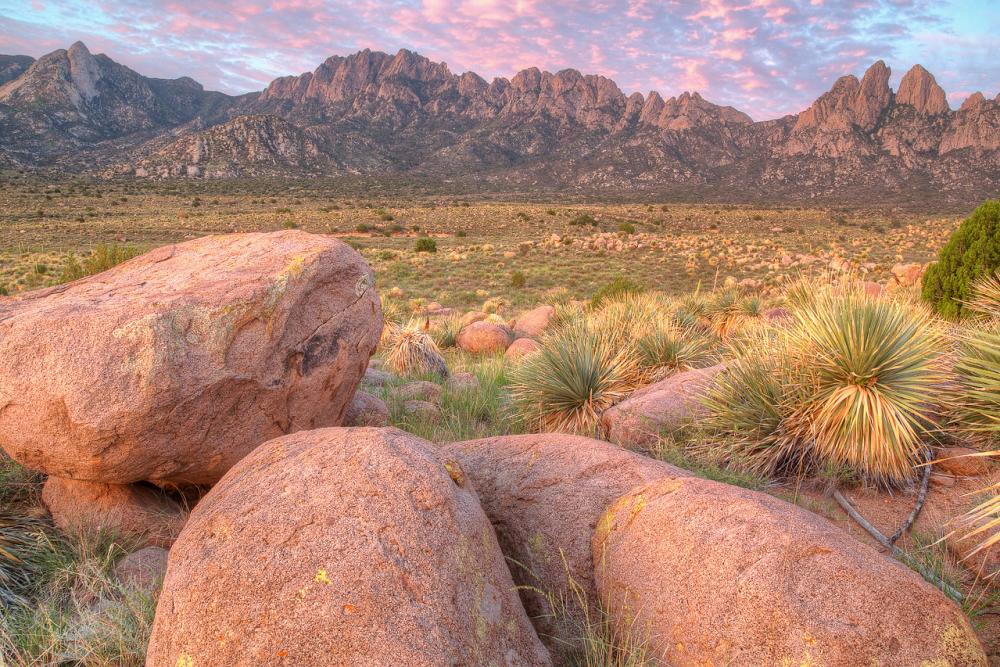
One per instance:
(131, 511)
(484, 338)
(665, 405)
(544, 495)
(173, 366)
(533, 323)
(341, 546)
(711, 574)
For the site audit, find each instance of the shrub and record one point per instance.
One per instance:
(617, 287)
(584, 219)
(972, 253)
(102, 258)
(517, 279)
(425, 245)
(577, 374)
(411, 350)
(626, 228)
(845, 387)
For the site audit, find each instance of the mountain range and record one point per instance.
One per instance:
(373, 114)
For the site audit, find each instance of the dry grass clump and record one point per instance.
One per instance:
(19, 545)
(846, 386)
(580, 371)
(410, 350)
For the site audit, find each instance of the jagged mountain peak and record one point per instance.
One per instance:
(920, 89)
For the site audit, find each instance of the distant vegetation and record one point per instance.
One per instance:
(102, 258)
(972, 253)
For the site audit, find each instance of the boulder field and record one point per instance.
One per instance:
(371, 549)
(173, 366)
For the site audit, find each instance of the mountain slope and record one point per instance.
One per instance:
(372, 113)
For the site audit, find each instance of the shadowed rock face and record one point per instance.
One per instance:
(341, 546)
(173, 366)
(373, 113)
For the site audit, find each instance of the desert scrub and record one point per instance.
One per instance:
(425, 245)
(102, 258)
(410, 349)
(972, 253)
(846, 387)
(579, 372)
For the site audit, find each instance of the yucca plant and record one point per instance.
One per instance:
(848, 387)
(750, 410)
(978, 404)
(579, 372)
(668, 349)
(631, 316)
(730, 311)
(19, 543)
(445, 331)
(411, 350)
(870, 366)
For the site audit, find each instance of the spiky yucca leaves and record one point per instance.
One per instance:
(567, 313)
(445, 331)
(730, 311)
(411, 350)
(978, 405)
(579, 372)
(668, 349)
(871, 366)
(977, 408)
(392, 318)
(19, 542)
(751, 407)
(986, 298)
(848, 386)
(630, 317)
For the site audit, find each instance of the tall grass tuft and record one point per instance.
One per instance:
(580, 371)
(20, 537)
(411, 350)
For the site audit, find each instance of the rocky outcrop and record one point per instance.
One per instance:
(341, 547)
(173, 366)
(544, 495)
(715, 574)
(244, 146)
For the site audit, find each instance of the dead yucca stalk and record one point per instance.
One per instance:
(411, 350)
(579, 372)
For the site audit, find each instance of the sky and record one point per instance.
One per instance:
(765, 57)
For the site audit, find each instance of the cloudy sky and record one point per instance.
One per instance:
(766, 57)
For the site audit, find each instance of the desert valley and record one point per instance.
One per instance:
(388, 365)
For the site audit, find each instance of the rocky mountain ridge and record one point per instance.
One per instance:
(375, 114)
